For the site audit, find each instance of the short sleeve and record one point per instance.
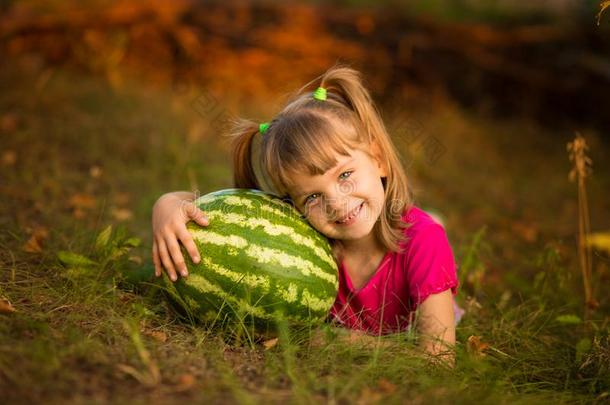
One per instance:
(430, 264)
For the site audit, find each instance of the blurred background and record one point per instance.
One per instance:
(106, 105)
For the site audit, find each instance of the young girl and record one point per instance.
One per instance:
(328, 152)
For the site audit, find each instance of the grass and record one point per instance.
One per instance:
(80, 333)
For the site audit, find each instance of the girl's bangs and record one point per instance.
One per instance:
(311, 147)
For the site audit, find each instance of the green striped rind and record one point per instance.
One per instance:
(280, 250)
(255, 201)
(260, 260)
(261, 209)
(282, 233)
(271, 285)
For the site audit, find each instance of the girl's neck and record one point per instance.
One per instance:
(365, 247)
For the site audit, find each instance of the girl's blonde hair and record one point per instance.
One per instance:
(307, 135)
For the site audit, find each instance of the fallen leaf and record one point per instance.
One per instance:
(121, 214)
(122, 198)
(9, 158)
(9, 122)
(185, 382)
(526, 231)
(79, 213)
(5, 306)
(476, 346)
(365, 24)
(34, 244)
(156, 334)
(39, 206)
(368, 396)
(386, 386)
(268, 344)
(135, 259)
(95, 172)
(123, 297)
(593, 304)
(82, 201)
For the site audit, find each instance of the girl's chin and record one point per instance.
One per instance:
(352, 232)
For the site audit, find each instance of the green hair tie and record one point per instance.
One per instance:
(320, 94)
(262, 128)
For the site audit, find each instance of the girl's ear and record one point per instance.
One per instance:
(381, 163)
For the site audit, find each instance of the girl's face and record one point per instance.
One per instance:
(345, 202)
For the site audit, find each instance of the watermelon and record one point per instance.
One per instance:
(260, 262)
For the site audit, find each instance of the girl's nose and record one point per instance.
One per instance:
(335, 206)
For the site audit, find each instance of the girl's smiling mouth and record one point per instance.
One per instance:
(350, 219)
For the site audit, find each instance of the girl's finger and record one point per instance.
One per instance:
(187, 240)
(167, 263)
(197, 215)
(155, 257)
(174, 250)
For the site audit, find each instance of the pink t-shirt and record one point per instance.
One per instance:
(386, 303)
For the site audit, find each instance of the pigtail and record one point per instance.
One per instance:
(242, 135)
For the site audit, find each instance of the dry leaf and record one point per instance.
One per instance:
(185, 382)
(82, 201)
(592, 304)
(365, 24)
(39, 206)
(95, 171)
(9, 122)
(188, 40)
(386, 386)
(526, 231)
(9, 158)
(79, 213)
(5, 306)
(122, 198)
(368, 396)
(121, 214)
(268, 344)
(476, 346)
(123, 297)
(156, 334)
(34, 244)
(135, 259)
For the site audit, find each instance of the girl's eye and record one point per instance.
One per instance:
(348, 174)
(311, 197)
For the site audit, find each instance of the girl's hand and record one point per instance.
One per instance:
(436, 325)
(170, 214)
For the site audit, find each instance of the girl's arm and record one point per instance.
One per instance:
(436, 325)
